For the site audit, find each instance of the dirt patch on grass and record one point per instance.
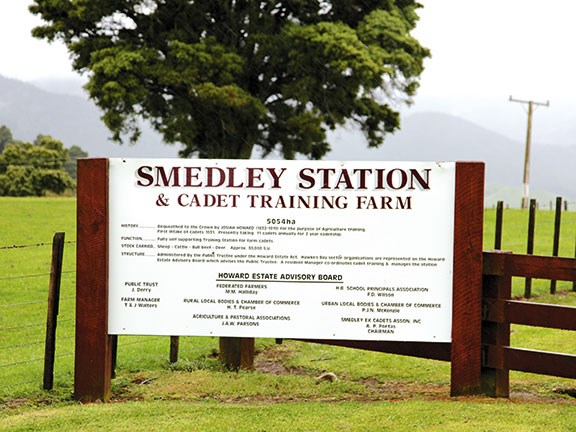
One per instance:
(273, 361)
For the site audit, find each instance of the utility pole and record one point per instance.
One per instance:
(526, 181)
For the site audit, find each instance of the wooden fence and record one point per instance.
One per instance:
(499, 311)
(531, 228)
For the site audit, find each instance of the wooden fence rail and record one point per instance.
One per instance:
(499, 311)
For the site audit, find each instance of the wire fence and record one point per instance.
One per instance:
(533, 232)
(550, 205)
(24, 316)
(23, 309)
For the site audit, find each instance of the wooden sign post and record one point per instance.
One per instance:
(465, 353)
(93, 363)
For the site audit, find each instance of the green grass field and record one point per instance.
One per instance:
(515, 237)
(373, 392)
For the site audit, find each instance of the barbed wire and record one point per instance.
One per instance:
(23, 304)
(33, 302)
(123, 362)
(157, 356)
(24, 246)
(33, 325)
(22, 345)
(33, 275)
(34, 343)
(22, 362)
(37, 380)
(32, 360)
(20, 383)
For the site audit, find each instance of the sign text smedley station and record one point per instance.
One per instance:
(282, 249)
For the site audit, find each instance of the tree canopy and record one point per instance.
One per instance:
(70, 165)
(223, 76)
(5, 136)
(32, 169)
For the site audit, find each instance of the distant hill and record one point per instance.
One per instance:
(443, 137)
(29, 110)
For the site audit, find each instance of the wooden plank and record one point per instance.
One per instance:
(541, 315)
(93, 360)
(495, 381)
(533, 266)
(427, 350)
(494, 262)
(532, 361)
(467, 280)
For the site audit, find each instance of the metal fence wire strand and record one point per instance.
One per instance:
(33, 245)
(33, 275)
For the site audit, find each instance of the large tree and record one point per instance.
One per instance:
(223, 76)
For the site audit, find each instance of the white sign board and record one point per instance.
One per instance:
(283, 249)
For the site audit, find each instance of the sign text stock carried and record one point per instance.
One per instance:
(283, 249)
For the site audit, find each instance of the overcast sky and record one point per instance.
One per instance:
(489, 47)
(482, 50)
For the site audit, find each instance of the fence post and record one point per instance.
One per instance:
(466, 345)
(53, 306)
(495, 382)
(574, 283)
(499, 218)
(556, 245)
(174, 348)
(530, 244)
(114, 348)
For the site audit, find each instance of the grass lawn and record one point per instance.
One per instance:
(455, 415)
